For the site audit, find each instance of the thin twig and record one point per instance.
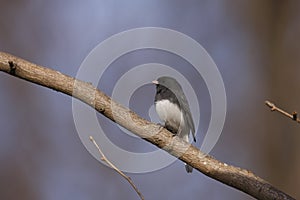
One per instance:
(293, 116)
(103, 157)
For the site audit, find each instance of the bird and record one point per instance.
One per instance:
(173, 109)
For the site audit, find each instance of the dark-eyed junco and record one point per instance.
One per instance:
(173, 109)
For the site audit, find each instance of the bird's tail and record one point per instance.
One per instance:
(188, 168)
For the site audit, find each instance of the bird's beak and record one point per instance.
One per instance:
(155, 82)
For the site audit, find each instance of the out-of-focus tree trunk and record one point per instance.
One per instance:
(281, 158)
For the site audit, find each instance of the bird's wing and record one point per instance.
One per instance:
(187, 113)
(190, 123)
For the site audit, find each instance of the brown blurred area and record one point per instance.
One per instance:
(283, 161)
(254, 44)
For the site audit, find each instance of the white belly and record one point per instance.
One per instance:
(168, 112)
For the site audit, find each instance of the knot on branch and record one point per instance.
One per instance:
(13, 67)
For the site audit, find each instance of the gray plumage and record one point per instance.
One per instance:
(173, 109)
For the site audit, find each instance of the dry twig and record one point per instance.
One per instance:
(103, 157)
(293, 116)
(241, 179)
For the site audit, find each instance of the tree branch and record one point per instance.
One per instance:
(238, 178)
(293, 116)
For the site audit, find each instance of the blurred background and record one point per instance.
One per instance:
(255, 45)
